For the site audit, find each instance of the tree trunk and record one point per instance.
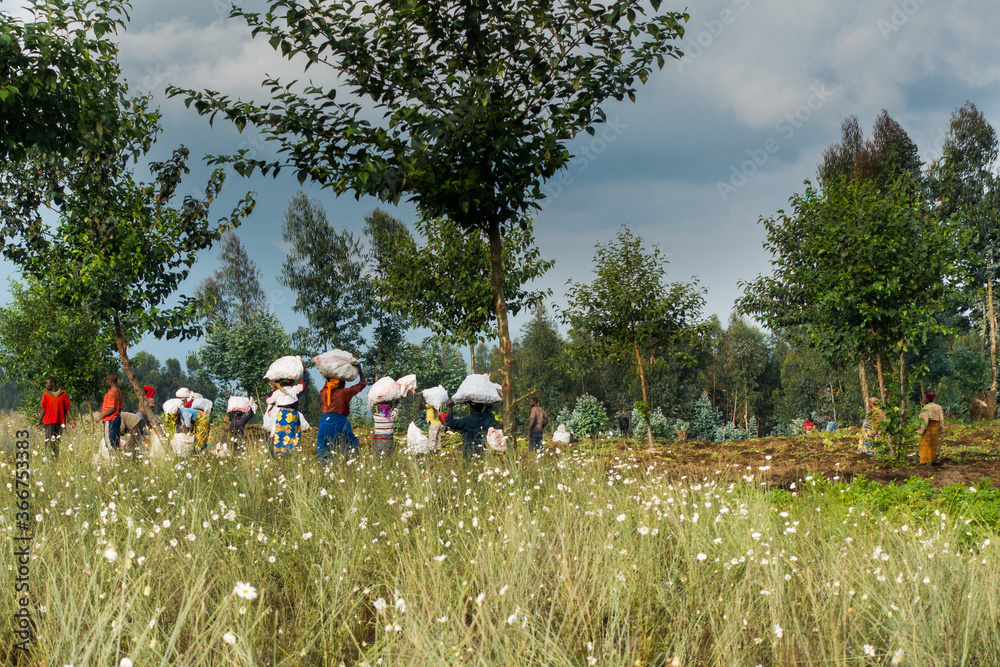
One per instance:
(881, 378)
(144, 405)
(864, 384)
(472, 358)
(902, 382)
(993, 331)
(642, 381)
(497, 281)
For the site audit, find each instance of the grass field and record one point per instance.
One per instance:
(593, 555)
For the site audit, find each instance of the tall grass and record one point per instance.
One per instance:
(564, 559)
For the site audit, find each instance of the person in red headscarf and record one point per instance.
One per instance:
(149, 392)
(933, 423)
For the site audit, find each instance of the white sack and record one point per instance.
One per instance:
(183, 444)
(172, 405)
(477, 389)
(385, 390)
(337, 364)
(496, 440)
(156, 450)
(435, 397)
(103, 455)
(240, 404)
(562, 435)
(416, 441)
(303, 424)
(202, 404)
(407, 385)
(269, 420)
(285, 368)
(182, 393)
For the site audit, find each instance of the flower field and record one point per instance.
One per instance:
(587, 556)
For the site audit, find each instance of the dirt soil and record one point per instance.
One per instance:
(966, 453)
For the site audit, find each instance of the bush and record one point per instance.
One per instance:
(706, 420)
(661, 426)
(589, 417)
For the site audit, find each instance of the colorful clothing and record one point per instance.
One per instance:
(338, 399)
(286, 430)
(933, 421)
(335, 436)
(870, 430)
(383, 433)
(202, 431)
(170, 424)
(113, 402)
(55, 407)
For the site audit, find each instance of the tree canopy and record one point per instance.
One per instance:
(629, 309)
(476, 101)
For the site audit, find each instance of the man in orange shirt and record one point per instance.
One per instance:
(55, 409)
(111, 413)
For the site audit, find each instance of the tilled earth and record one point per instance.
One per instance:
(967, 454)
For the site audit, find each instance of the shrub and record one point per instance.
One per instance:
(706, 420)
(589, 416)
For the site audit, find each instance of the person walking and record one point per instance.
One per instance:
(932, 417)
(335, 433)
(111, 414)
(285, 409)
(384, 419)
(238, 420)
(473, 428)
(537, 420)
(55, 410)
(434, 428)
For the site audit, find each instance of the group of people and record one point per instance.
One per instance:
(55, 411)
(931, 425)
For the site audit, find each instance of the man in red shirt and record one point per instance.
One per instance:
(55, 410)
(111, 413)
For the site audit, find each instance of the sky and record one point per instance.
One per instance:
(714, 141)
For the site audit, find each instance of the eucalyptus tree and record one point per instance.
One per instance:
(858, 273)
(964, 182)
(464, 107)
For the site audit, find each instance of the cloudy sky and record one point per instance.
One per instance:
(713, 142)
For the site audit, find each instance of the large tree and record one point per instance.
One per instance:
(475, 102)
(859, 274)
(326, 269)
(964, 182)
(233, 293)
(629, 310)
(38, 338)
(60, 96)
(443, 283)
